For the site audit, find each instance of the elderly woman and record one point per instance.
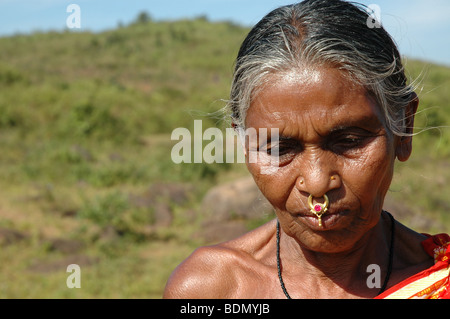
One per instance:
(334, 87)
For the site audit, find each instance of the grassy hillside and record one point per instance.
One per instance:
(85, 124)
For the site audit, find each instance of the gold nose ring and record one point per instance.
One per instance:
(318, 209)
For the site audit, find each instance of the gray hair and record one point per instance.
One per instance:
(322, 33)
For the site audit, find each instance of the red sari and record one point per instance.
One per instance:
(432, 283)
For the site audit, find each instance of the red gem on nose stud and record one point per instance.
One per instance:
(317, 208)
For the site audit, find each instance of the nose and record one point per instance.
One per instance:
(318, 175)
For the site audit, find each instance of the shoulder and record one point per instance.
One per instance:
(409, 245)
(215, 271)
(206, 272)
(410, 257)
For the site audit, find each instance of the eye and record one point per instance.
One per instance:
(350, 141)
(282, 151)
(344, 143)
(281, 147)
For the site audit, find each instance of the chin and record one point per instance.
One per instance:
(337, 239)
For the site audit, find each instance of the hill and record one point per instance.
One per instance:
(86, 173)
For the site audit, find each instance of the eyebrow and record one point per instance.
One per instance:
(369, 123)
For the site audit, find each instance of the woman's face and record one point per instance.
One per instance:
(332, 140)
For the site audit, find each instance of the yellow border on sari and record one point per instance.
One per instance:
(423, 287)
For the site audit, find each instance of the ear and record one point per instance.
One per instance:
(404, 143)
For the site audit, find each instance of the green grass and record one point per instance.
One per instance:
(85, 124)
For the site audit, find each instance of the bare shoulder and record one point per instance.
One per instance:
(409, 257)
(216, 271)
(409, 246)
(204, 274)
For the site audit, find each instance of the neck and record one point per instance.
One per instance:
(347, 269)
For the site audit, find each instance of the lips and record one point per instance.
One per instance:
(331, 219)
(329, 212)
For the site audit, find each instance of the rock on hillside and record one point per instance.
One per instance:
(227, 208)
(240, 199)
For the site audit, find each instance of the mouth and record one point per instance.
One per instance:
(329, 220)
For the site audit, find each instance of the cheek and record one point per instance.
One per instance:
(369, 178)
(275, 184)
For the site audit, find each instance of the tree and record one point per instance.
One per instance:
(143, 18)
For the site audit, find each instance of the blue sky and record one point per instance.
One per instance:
(420, 27)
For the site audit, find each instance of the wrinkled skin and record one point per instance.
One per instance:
(327, 127)
(333, 141)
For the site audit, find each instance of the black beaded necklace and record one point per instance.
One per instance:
(389, 271)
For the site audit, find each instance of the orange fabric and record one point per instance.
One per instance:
(432, 283)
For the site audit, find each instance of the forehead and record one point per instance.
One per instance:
(325, 95)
